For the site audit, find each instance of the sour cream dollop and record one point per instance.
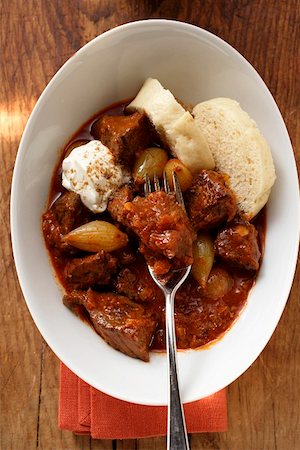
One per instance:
(90, 171)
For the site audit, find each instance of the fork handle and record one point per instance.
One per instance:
(177, 436)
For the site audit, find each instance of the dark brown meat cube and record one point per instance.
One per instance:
(69, 211)
(123, 135)
(74, 299)
(236, 244)
(209, 202)
(66, 213)
(116, 205)
(164, 230)
(125, 256)
(53, 235)
(96, 269)
(123, 324)
(51, 230)
(137, 284)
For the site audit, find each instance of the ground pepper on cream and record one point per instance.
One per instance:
(91, 172)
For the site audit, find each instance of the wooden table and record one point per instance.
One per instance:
(37, 37)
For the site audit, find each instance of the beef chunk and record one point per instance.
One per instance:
(96, 269)
(123, 324)
(125, 255)
(236, 244)
(164, 230)
(66, 213)
(116, 205)
(137, 284)
(123, 135)
(52, 232)
(70, 212)
(209, 202)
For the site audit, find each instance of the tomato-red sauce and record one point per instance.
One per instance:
(199, 319)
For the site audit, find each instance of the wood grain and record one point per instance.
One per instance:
(36, 38)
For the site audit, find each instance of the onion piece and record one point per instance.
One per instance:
(97, 235)
(203, 253)
(184, 175)
(150, 162)
(218, 284)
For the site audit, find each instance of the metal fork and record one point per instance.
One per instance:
(177, 438)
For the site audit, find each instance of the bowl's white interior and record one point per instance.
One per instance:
(195, 65)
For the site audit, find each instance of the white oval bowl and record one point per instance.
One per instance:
(196, 66)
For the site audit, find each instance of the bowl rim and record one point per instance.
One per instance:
(183, 26)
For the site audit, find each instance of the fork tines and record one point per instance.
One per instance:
(166, 186)
(177, 189)
(147, 186)
(166, 183)
(156, 183)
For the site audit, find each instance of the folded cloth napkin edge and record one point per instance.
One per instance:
(206, 415)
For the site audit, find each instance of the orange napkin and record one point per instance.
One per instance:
(84, 410)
